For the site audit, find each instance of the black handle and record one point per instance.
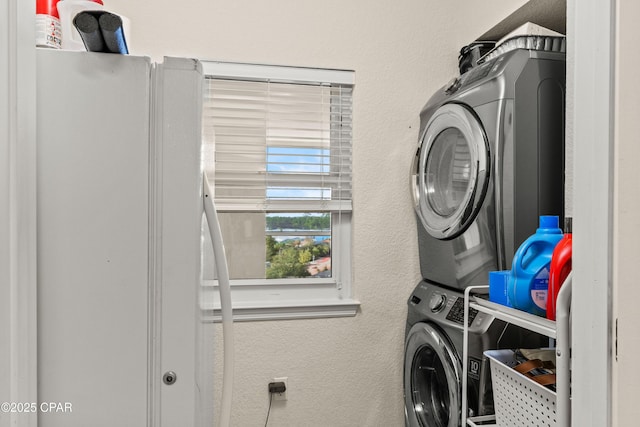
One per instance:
(113, 33)
(89, 29)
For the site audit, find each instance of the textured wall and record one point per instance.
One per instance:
(347, 371)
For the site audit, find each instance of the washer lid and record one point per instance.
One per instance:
(451, 171)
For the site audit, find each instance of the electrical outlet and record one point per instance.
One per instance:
(283, 395)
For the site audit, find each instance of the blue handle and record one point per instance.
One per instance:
(533, 255)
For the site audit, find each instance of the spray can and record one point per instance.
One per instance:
(48, 29)
(560, 268)
(529, 281)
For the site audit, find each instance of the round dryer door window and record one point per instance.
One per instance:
(452, 171)
(432, 379)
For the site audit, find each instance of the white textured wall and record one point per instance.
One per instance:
(626, 250)
(347, 371)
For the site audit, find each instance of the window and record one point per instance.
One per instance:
(278, 154)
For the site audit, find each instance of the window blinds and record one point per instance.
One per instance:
(279, 146)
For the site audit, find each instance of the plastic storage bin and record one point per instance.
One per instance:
(518, 400)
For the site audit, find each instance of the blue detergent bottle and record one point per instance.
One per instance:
(529, 281)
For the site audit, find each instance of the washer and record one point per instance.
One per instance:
(433, 355)
(490, 162)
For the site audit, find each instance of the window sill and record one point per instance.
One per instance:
(250, 311)
(292, 311)
(257, 302)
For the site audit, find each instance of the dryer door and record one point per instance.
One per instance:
(432, 379)
(451, 171)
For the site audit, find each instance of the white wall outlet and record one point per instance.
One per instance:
(283, 395)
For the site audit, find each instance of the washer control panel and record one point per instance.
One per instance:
(456, 314)
(438, 304)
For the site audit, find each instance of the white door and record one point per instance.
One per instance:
(451, 171)
(120, 336)
(93, 238)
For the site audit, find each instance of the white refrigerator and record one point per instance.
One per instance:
(121, 340)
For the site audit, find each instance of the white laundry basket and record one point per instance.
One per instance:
(518, 400)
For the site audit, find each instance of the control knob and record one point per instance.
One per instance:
(437, 302)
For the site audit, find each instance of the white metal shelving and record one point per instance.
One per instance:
(520, 318)
(559, 330)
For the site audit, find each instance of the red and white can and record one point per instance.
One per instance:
(48, 28)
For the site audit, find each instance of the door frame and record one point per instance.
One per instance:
(590, 91)
(18, 285)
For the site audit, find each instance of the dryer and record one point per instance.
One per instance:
(433, 356)
(490, 161)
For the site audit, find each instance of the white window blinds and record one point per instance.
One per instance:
(279, 146)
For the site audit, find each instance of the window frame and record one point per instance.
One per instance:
(284, 299)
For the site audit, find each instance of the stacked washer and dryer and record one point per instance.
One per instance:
(490, 162)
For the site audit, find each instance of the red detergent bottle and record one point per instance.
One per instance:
(48, 29)
(560, 268)
(529, 280)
